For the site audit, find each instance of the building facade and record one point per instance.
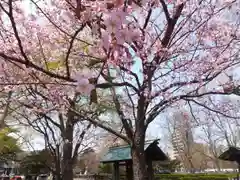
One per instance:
(7, 168)
(182, 136)
(182, 139)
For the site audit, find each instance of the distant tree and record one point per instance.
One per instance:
(171, 165)
(37, 162)
(4, 107)
(88, 161)
(105, 168)
(8, 145)
(65, 136)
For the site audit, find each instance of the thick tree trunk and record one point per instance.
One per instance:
(57, 173)
(57, 176)
(139, 164)
(67, 163)
(68, 173)
(57, 160)
(138, 156)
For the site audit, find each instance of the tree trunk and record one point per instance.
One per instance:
(139, 164)
(67, 162)
(57, 173)
(57, 160)
(67, 173)
(138, 156)
(57, 176)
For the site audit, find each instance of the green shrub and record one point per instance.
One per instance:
(193, 176)
(204, 178)
(180, 176)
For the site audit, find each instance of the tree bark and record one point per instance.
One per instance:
(138, 156)
(67, 163)
(57, 173)
(139, 164)
(57, 161)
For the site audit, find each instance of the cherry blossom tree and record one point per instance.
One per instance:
(64, 141)
(65, 134)
(146, 55)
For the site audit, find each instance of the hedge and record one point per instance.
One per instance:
(194, 176)
(204, 178)
(170, 176)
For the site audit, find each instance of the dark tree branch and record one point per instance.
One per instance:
(149, 70)
(191, 111)
(125, 121)
(101, 125)
(115, 84)
(42, 115)
(165, 9)
(55, 25)
(131, 100)
(57, 76)
(153, 115)
(163, 104)
(131, 73)
(70, 48)
(34, 66)
(210, 109)
(147, 19)
(181, 84)
(42, 52)
(10, 15)
(82, 135)
(171, 25)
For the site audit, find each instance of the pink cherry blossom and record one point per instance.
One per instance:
(106, 40)
(124, 35)
(113, 24)
(120, 15)
(84, 87)
(163, 52)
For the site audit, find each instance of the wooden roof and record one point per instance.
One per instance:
(123, 153)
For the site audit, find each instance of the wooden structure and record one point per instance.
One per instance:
(121, 155)
(232, 154)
